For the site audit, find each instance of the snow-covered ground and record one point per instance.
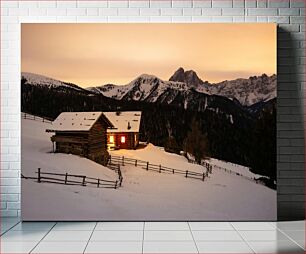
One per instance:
(241, 170)
(157, 155)
(145, 195)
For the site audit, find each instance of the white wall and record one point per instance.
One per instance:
(289, 14)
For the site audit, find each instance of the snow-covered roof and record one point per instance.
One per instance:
(124, 121)
(76, 121)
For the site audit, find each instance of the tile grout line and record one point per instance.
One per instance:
(143, 233)
(14, 225)
(193, 237)
(90, 236)
(42, 238)
(246, 242)
(273, 225)
(290, 238)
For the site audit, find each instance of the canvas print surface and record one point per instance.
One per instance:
(127, 122)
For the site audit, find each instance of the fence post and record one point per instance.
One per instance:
(66, 176)
(120, 183)
(173, 170)
(135, 163)
(122, 160)
(38, 176)
(147, 165)
(116, 184)
(186, 173)
(83, 183)
(203, 177)
(98, 183)
(159, 168)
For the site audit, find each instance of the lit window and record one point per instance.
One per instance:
(122, 139)
(111, 139)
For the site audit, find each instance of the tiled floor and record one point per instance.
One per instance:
(152, 237)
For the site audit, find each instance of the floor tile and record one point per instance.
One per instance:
(166, 226)
(170, 247)
(69, 236)
(33, 226)
(253, 226)
(223, 247)
(17, 247)
(5, 228)
(291, 225)
(8, 224)
(120, 226)
(114, 247)
(273, 235)
(169, 236)
(63, 226)
(276, 247)
(211, 226)
(216, 236)
(99, 236)
(23, 236)
(296, 235)
(60, 247)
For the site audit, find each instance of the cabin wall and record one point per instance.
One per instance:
(74, 143)
(91, 144)
(130, 141)
(97, 142)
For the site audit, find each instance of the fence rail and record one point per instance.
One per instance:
(36, 118)
(122, 160)
(116, 168)
(211, 166)
(238, 174)
(69, 179)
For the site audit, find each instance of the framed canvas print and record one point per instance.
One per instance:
(130, 122)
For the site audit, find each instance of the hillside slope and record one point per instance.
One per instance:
(145, 195)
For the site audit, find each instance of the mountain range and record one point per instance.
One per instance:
(185, 83)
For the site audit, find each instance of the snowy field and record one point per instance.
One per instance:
(242, 170)
(145, 195)
(157, 155)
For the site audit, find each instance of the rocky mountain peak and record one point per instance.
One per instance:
(189, 77)
(178, 75)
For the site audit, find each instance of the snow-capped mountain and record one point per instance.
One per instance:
(247, 91)
(144, 88)
(152, 89)
(43, 81)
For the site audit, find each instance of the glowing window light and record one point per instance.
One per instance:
(123, 139)
(111, 139)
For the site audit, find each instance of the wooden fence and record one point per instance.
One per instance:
(210, 167)
(69, 179)
(121, 160)
(237, 174)
(36, 118)
(116, 168)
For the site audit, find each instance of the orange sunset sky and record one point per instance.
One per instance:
(96, 54)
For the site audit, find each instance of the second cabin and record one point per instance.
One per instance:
(125, 133)
(81, 133)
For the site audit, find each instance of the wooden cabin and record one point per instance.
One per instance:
(125, 133)
(81, 133)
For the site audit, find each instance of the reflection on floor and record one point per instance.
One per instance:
(152, 237)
